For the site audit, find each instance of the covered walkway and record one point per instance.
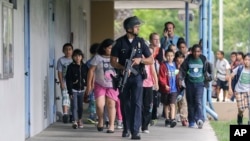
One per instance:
(63, 132)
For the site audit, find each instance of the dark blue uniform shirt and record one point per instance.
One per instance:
(123, 49)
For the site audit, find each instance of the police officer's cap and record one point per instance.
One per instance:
(130, 22)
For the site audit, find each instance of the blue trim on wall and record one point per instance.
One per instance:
(27, 65)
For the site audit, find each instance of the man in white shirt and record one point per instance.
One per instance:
(222, 74)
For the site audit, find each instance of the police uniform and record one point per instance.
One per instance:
(131, 98)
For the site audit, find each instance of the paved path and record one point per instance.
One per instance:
(64, 132)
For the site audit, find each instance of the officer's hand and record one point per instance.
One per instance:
(179, 97)
(136, 61)
(129, 72)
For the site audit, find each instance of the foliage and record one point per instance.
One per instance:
(154, 21)
(222, 128)
(236, 18)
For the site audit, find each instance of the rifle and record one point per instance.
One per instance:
(120, 80)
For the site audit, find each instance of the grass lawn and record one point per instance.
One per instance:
(222, 128)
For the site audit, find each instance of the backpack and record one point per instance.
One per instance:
(237, 76)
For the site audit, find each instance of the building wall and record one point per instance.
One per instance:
(102, 24)
(12, 91)
(62, 32)
(38, 63)
(80, 14)
(67, 18)
(66, 21)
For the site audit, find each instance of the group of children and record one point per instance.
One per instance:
(88, 82)
(178, 77)
(234, 79)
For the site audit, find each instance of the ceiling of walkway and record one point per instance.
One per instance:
(154, 4)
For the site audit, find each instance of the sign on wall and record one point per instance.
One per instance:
(7, 50)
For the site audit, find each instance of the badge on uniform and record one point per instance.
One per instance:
(139, 47)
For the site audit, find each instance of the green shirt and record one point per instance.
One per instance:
(195, 71)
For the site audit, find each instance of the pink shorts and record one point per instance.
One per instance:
(109, 92)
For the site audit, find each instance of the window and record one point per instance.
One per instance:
(7, 59)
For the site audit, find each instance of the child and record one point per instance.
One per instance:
(62, 65)
(76, 81)
(105, 95)
(242, 87)
(91, 98)
(168, 87)
(172, 47)
(158, 55)
(222, 75)
(147, 97)
(197, 72)
(181, 98)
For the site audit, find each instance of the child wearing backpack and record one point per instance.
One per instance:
(241, 87)
(197, 72)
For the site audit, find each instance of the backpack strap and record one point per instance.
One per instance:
(240, 69)
(237, 76)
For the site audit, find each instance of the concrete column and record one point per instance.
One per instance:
(102, 20)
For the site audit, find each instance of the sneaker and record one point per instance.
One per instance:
(136, 137)
(178, 117)
(65, 118)
(173, 123)
(91, 121)
(167, 122)
(145, 131)
(125, 134)
(153, 122)
(191, 125)
(74, 125)
(240, 119)
(200, 124)
(79, 124)
(119, 124)
(184, 122)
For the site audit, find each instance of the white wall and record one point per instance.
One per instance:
(12, 90)
(62, 33)
(78, 7)
(38, 62)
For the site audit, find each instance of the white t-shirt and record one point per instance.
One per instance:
(243, 84)
(62, 65)
(222, 66)
(103, 70)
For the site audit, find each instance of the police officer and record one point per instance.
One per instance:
(131, 98)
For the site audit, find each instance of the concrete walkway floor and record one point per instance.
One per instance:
(64, 132)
